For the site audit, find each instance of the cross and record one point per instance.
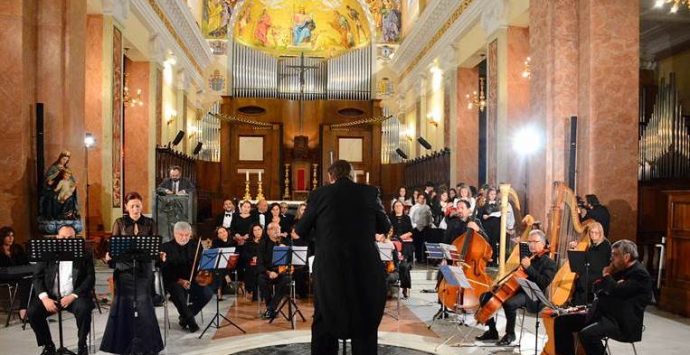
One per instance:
(302, 69)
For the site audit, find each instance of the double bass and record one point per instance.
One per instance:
(474, 252)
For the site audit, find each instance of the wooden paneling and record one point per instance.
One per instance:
(675, 292)
(392, 177)
(371, 149)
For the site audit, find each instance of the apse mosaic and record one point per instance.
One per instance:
(316, 27)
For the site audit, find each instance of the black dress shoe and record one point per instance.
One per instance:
(193, 327)
(506, 340)
(83, 350)
(268, 315)
(48, 350)
(488, 335)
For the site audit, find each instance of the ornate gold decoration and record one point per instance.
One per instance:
(374, 120)
(259, 191)
(314, 180)
(478, 100)
(173, 32)
(286, 194)
(127, 97)
(441, 31)
(228, 118)
(677, 4)
(246, 196)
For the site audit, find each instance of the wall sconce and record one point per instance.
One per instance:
(477, 99)
(527, 72)
(431, 117)
(170, 116)
(127, 97)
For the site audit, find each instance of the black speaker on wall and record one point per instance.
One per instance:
(178, 138)
(40, 154)
(197, 149)
(424, 142)
(401, 153)
(572, 153)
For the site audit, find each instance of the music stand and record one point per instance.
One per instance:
(386, 254)
(534, 293)
(125, 248)
(54, 251)
(289, 256)
(216, 260)
(579, 264)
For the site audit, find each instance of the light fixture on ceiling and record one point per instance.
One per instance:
(475, 99)
(127, 97)
(676, 4)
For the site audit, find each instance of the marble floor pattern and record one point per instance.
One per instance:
(665, 333)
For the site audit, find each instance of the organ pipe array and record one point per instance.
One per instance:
(664, 145)
(258, 74)
(209, 134)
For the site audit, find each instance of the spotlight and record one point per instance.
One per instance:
(197, 149)
(424, 143)
(401, 153)
(527, 141)
(178, 138)
(89, 140)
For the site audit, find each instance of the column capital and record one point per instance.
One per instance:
(118, 9)
(495, 17)
(157, 49)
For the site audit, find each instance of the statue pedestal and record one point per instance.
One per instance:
(171, 209)
(50, 227)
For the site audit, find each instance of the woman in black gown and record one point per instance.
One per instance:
(240, 229)
(402, 233)
(251, 252)
(13, 254)
(126, 333)
(222, 240)
(599, 256)
(491, 220)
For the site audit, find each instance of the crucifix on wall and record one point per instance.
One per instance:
(302, 68)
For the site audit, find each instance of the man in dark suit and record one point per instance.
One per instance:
(225, 219)
(175, 184)
(622, 295)
(76, 286)
(177, 265)
(596, 211)
(349, 282)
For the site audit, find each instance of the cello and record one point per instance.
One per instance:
(474, 252)
(504, 290)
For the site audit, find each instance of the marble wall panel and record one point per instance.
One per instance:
(93, 118)
(136, 133)
(467, 128)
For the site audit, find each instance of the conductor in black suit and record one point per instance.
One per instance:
(76, 286)
(349, 282)
(175, 184)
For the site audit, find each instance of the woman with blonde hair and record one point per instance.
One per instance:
(599, 256)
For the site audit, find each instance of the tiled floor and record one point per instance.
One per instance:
(665, 333)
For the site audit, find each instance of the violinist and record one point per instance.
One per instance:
(622, 295)
(222, 240)
(598, 256)
(540, 270)
(269, 274)
(391, 266)
(181, 256)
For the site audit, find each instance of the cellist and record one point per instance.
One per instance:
(181, 256)
(540, 269)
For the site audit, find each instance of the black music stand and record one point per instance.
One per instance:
(534, 293)
(579, 264)
(289, 256)
(125, 248)
(216, 260)
(54, 251)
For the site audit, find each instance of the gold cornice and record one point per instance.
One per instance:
(441, 31)
(173, 32)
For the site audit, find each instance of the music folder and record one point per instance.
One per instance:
(209, 259)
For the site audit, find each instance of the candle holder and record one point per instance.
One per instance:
(286, 194)
(247, 196)
(314, 180)
(259, 191)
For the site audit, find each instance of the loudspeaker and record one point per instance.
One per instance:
(572, 153)
(178, 138)
(401, 153)
(40, 153)
(424, 143)
(197, 149)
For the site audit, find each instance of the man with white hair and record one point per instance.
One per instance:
(178, 260)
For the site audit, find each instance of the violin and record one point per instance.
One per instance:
(504, 290)
(204, 277)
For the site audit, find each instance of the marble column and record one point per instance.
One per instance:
(608, 109)
(467, 128)
(585, 62)
(93, 118)
(17, 154)
(137, 127)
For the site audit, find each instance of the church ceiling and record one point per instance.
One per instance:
(316, 27)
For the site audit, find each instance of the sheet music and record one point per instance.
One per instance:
(434, 251)
(385, 251)
(224, 255)
(299, 255)
(455, 276)
(209, 258)
(450, 252)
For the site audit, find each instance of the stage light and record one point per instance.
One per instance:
(89, 140)
(527, 141)
(197, 149)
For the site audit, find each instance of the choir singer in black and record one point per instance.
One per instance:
(177, 267)
(349, 282)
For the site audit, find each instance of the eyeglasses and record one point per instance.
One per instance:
(534, 241)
